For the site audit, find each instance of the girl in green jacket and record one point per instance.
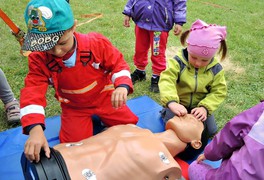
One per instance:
(194, 81)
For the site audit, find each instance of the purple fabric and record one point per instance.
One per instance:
(198, 171)
(156, 15)
(241, 146)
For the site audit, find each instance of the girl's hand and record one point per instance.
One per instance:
(177, 109)
(200, 113)
(126, 21)
(119, 97)
(177, 29)
(200, 158)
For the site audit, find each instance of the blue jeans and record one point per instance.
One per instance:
(211, 125)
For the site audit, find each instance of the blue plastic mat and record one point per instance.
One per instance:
(12, 141)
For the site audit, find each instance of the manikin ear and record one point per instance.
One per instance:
(196, 144)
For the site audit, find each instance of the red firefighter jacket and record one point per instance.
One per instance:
(99, 67)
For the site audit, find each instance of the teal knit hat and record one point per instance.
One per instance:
(47, 20)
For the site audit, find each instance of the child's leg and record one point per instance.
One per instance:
(158, 49)
(142, 45)
(76, 124)
(211, 125)
(158, 57)
(11, 104)
(6, 94)
(122, 115)
(111, 116)
(166, 114)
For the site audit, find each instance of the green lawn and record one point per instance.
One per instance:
(244, 65)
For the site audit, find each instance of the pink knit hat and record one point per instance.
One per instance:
(204, 40)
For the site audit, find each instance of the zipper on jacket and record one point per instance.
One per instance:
(195, 77)
(166, 15)
(195, 87)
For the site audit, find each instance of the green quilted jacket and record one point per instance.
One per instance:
(192, 87)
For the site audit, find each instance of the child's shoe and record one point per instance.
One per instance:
(154, 87)
(138, 75)
(13, 112)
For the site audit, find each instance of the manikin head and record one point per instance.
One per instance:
(188, 129)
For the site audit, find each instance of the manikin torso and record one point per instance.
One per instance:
(125, 152)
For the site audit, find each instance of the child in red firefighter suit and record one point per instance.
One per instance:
(89, 75)
(154, 19)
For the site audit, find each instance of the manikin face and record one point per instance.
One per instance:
(187, 128)
(198, 62)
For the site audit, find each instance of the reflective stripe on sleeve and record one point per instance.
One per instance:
(119, 74)
(36, 109)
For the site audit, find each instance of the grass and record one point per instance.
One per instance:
(244, 65)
